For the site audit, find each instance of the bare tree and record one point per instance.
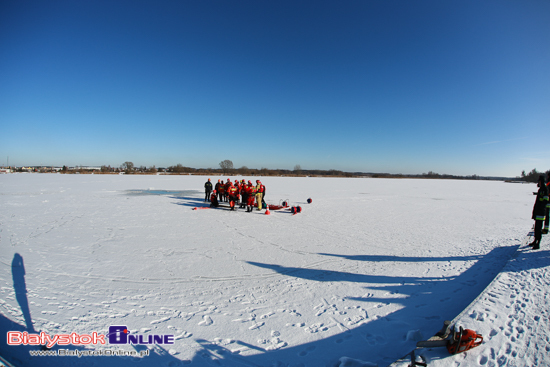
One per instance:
(297, 168)
(226, 166)
(127, 167)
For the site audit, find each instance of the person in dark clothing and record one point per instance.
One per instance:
(539, 211)
(207, 190)
(214, 200)
(219, 188)
(547, 219)
(244, 195)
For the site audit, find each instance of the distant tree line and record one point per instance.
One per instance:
(429, 175)
(533, 176)
(226, 167)
(128, 168)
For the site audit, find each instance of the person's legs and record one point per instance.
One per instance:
(538, 234)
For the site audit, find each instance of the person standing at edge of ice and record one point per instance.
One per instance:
(547, 219)
(539, 211)
(207, 190)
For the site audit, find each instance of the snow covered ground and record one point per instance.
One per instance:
(367, 269)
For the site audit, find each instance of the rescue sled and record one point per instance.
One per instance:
(282, 205)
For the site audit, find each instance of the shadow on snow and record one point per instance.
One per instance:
(19, 355)
(378, 340)
(404, 258)
(381, 340)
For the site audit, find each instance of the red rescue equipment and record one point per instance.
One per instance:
(282, 205)
(456, 341)
(464, 340)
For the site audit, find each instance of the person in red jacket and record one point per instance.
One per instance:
(214, 200)
(226, 186)
(250, 192)
(239, 189)
(233, 195)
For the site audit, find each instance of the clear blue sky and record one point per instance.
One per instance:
(457, 87)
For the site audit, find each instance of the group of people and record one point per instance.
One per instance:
(541, 211)
(243, 193)
(248, 195)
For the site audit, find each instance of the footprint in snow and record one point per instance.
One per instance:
(276, 343)
(256, 326)
(185, 334)
(306, 351)
(375, 339)
(301, 324)
(160, 320)
(206, 321)
(354, 320)
(341, 340)
(432, 317)
(265, 316)
(316, 328)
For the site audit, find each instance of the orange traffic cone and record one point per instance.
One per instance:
(267, 210)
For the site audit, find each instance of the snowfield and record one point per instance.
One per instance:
(367, 269)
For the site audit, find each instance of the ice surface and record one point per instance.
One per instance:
(369, 261)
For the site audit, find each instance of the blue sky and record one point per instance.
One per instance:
(457, 87)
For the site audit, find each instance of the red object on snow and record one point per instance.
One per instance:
(296, 209)
(464, 340)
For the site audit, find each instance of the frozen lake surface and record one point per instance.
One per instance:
(367, 269)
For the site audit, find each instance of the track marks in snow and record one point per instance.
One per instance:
(256, 325)
(307, 351)
(274, 342)
(179, 333)
(373, 340)
(206, 321)
(521, 332)
(160, 320)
